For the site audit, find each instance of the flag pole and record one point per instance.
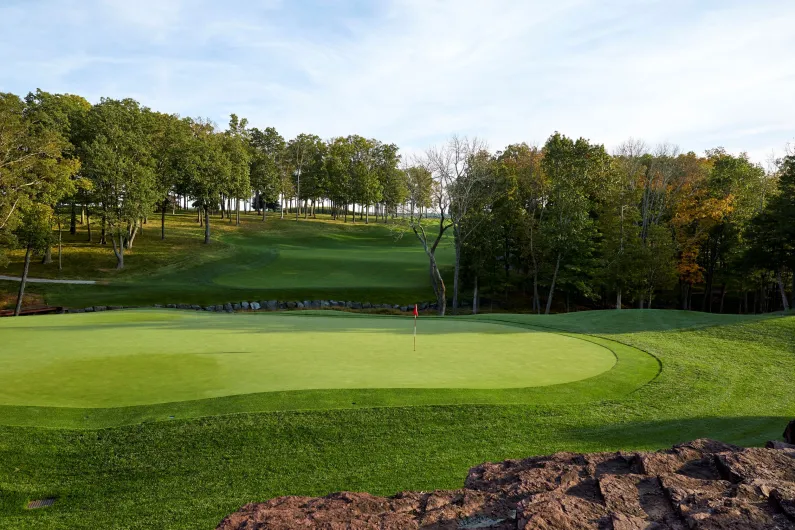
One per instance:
(415, 327)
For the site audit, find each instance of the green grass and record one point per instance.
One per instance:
(168, 419)
(723, 377)
(180, 356)
(278, 259)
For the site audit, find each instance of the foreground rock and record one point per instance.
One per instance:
(702, 484)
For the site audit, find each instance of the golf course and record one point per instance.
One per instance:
(169, 418)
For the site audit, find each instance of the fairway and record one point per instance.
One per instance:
(145, 357)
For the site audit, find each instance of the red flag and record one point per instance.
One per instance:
(415, 310)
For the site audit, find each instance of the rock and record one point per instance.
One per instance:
(78, 310)
(356, 305)
(282, 305)
(245, 305)
(219, 308)
(773, 444)
(299, 305)
(171, 306)
(114, 307)
(196, 307)
(367, 305)
(89, 310)
(210, 308)
(789, 433)
(404, 308)
(702, 484)
(100, 308)
(291, 305)
(228, 307)
(325, 303)
(307, 304)
(236, 307)
(255, 306)
(315, 304)
(423, 306)
(157, 305)
(272, 305)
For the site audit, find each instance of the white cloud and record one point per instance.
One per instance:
(698, 74)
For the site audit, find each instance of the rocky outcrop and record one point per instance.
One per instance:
(702, 484)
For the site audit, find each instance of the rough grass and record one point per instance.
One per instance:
(724, 379)
(281, 259)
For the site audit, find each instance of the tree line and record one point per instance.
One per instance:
(563, 221)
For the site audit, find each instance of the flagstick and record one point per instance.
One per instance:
(415, 332)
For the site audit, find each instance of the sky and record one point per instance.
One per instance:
(698, 74)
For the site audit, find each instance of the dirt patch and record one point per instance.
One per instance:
(702, 484)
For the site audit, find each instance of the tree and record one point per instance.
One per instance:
(119, 161)
(267, 153)
(33, 234)
(772, 232)
(392, 181)
(462, 170)
(169, 137)
(209, 170)
(518, 210)
(574, 170)
(734, 182)
(33, 167)
(64, 114)
(430, 231)
(300, 152)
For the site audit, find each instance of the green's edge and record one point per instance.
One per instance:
(633, 369)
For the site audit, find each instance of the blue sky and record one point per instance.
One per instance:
(697, 74)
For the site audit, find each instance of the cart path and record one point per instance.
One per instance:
(46, 280)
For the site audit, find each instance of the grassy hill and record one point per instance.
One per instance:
(277, 259)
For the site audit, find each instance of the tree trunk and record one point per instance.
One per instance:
(206, 226)
(23, 281)
(792, 294)
(47, 258)
(366, 215)
(60, 245)
(73, 220)
(722, 297)
(441, 290)
(103, 240)
(132, 231)
(237, 212)
(552, 287)
(618, 298)
(475, 298)
(88, 224)
(163, 220)
(456, 271)
(118, 250)
(784, 301)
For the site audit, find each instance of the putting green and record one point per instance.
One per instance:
(143, 357)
